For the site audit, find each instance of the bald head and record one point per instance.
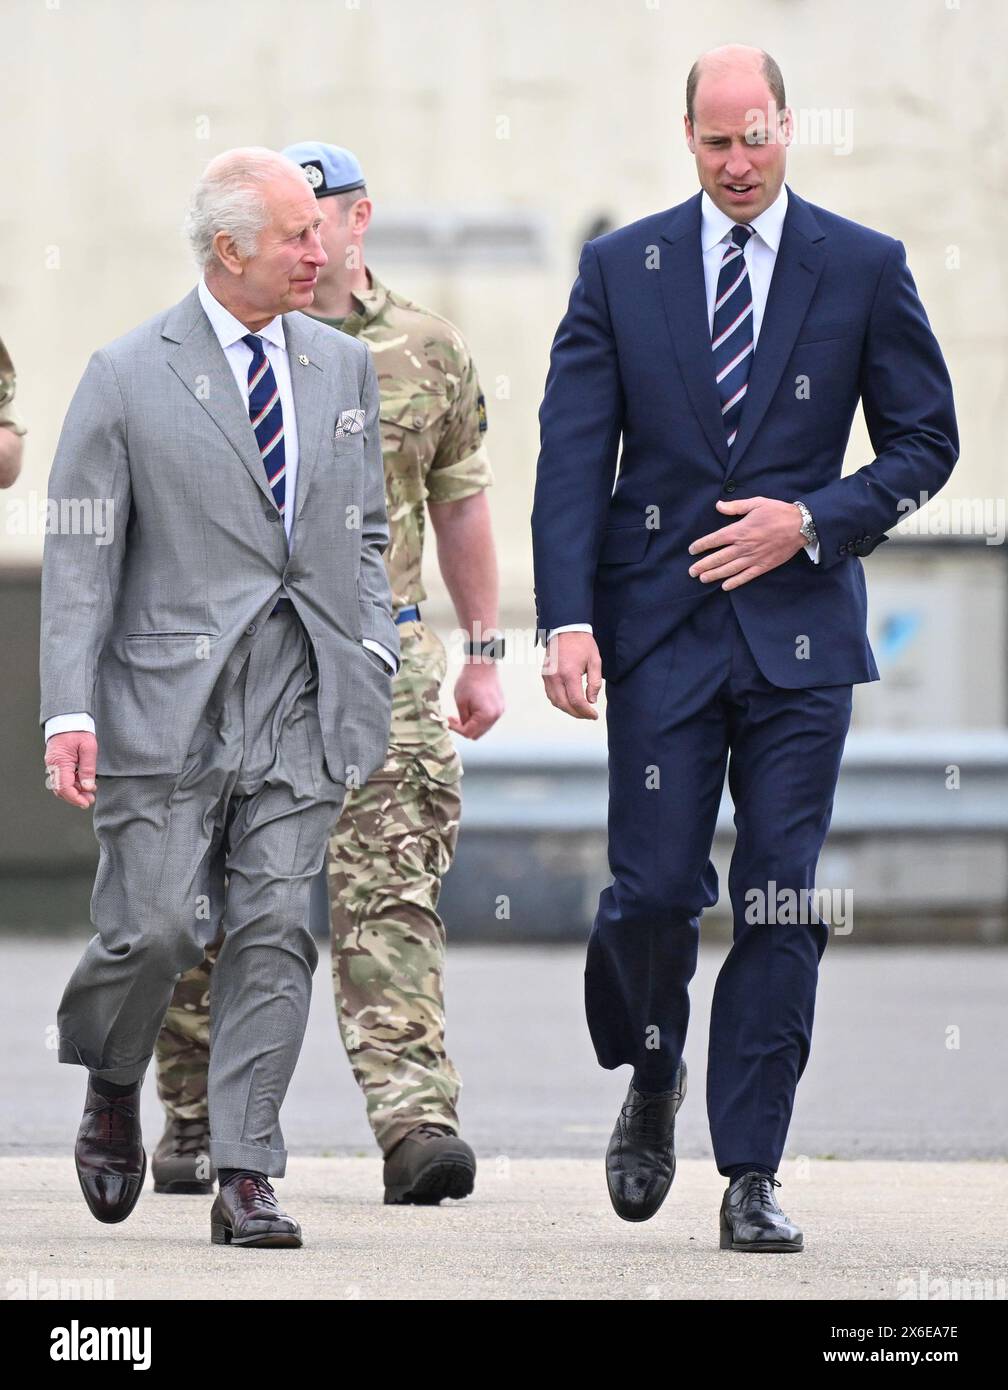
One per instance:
(738, 128)
(735, 58)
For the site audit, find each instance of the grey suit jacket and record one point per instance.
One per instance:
(145, 626)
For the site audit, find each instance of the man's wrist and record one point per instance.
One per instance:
(382, 652)
(80, 723)
(807, 530)
(482, 647)
(568, 627)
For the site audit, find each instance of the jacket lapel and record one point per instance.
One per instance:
(308, 382)
(685, 296)
(799, 264)
(201, 366)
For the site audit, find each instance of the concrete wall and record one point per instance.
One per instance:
(563, 109)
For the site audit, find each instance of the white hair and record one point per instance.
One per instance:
(230, 198)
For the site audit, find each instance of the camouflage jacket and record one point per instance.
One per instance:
(433, 418)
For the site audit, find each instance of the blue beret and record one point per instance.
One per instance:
(328, 168)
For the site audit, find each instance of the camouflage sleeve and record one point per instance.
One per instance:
(461, 466)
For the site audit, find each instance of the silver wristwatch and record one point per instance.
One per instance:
(808, 530)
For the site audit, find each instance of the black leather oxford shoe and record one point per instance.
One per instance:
(640, 1160)
(752, 1220)
(109, 1155)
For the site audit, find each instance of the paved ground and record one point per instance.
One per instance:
(908, 1066)
(882, 1082)
(539, 1228)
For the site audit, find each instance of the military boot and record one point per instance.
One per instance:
(429, 1163)
(181, 1161)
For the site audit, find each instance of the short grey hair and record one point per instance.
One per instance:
(343, 202)
(230, 198)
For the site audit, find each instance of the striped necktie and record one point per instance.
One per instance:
(266, 414)
(732, 331)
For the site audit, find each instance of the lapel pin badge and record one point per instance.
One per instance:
(303, 359)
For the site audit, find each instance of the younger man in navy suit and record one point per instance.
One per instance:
(718, 588)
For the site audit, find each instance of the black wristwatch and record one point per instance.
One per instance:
(488, 649)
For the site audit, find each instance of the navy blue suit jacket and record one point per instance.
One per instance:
(632, 362)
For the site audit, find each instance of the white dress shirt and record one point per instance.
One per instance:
(230, 332)
(760, 256)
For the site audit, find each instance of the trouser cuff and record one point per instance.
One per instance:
(725, 1168)
(126, 1075)
(226, 1154)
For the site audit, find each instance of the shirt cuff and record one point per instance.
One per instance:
(812, 551)
(569, 627)
(384, 653)
(69, 723)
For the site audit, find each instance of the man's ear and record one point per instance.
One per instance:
(785, 126)
(227, 252)
(360, 215)
(688, 127)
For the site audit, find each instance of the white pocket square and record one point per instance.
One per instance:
(349, 422)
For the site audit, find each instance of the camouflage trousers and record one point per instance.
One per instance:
(388, 853)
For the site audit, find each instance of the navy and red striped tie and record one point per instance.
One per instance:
(266, 414)
(732, 331)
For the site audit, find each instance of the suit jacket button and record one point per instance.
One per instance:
(251, 629)
(730, 487)
(271, 514)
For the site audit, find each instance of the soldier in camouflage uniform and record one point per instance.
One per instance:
(11, 426)
(397, 834)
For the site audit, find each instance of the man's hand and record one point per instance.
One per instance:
(70, 760)
(570, 656)
(767, 535)
(478, 698)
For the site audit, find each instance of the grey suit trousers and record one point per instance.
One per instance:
(255, 802)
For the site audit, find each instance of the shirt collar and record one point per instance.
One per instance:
(372, 300)
(715, 225)
(230, 330)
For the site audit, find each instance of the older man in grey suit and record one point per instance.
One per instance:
(222, 661)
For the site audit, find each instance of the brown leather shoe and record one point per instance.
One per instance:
(181, 1161)
(246, 1212)
(109, 1154)
(428, 1164)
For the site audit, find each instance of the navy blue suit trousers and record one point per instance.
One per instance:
(698, 704)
